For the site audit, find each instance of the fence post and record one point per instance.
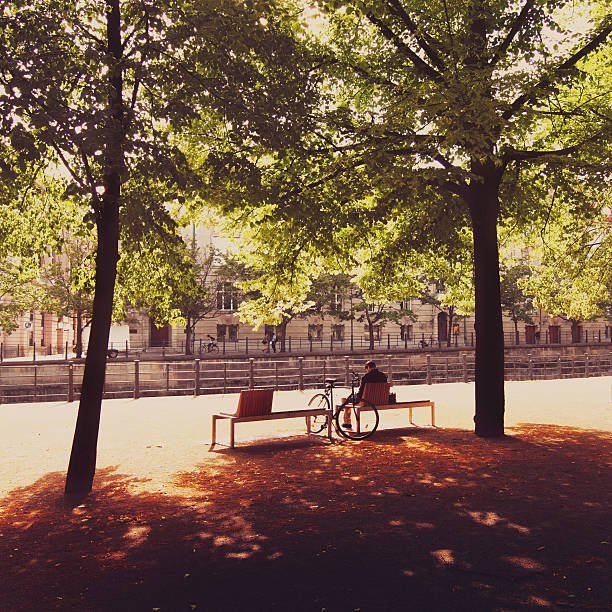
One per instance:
(66, 350)
(35, 380)
(429, 369)
(465, 372)
(71, 382)
(127, 349)
(301, 373)
(251, 373)
(276, 375)
(196, 364)
(136, 378)
(1, 352)
(390, 368)
(347, 370)
(289, 343)
(586, 365)
(310, 340)
(246, 345)
(530, 361)
(224, 345)
(224, 376)
(34, 352)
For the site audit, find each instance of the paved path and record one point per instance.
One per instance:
(154, 438)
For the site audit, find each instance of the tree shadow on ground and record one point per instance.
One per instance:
(416, 519)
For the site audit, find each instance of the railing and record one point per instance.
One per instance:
(305, 345)
(136, 378)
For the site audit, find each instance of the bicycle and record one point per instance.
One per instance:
(212, 347)
(366, 414)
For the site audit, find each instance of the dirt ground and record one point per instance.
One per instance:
(410, 519)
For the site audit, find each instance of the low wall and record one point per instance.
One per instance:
(61, 381)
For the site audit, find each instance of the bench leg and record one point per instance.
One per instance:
(231, 432)
(433, 414)
(307, 424)
(410, 415)
(214, 430)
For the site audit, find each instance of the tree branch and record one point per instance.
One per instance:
(547, 80)
(519, 22)
(425, 42)
(422, 66)
(517, 155)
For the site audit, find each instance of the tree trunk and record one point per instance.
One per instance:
(189, 332)
(82, 466)
(449, 331)
(489, 354)
(78, 345)
(281, 333)
(517, 339)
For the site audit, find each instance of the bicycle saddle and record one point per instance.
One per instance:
(330, 381)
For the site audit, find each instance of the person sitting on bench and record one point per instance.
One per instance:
(372, 375)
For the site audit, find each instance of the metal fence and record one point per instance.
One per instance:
(62, 381)
(304, 345)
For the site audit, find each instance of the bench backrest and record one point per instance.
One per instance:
(255, 402)
(376, 393)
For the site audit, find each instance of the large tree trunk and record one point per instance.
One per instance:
(484, 209)
(82, 466)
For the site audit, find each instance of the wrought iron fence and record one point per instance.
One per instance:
(61, 381)
(303, 345)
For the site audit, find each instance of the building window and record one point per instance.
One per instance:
(338, 332)
(336, 305)
(315, 332)
(227, 297)
(221, 331)
(406, 304)
(232, 333)
(406, 332)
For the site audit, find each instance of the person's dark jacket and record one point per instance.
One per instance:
(373, 376)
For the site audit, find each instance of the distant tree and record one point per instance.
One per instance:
(515, 302)
(571, 256)
(68, 284)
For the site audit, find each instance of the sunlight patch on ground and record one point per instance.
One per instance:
(491, 519)
(525, 563)
(136, 535)
(444, 556)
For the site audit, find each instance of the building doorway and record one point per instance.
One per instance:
(159, 336)
(442, 327)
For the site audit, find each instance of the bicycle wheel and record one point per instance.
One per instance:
(356, 422)
(318, 423)
(213, 349)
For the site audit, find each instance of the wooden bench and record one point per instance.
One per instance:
(378, 395)
(256, 405)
